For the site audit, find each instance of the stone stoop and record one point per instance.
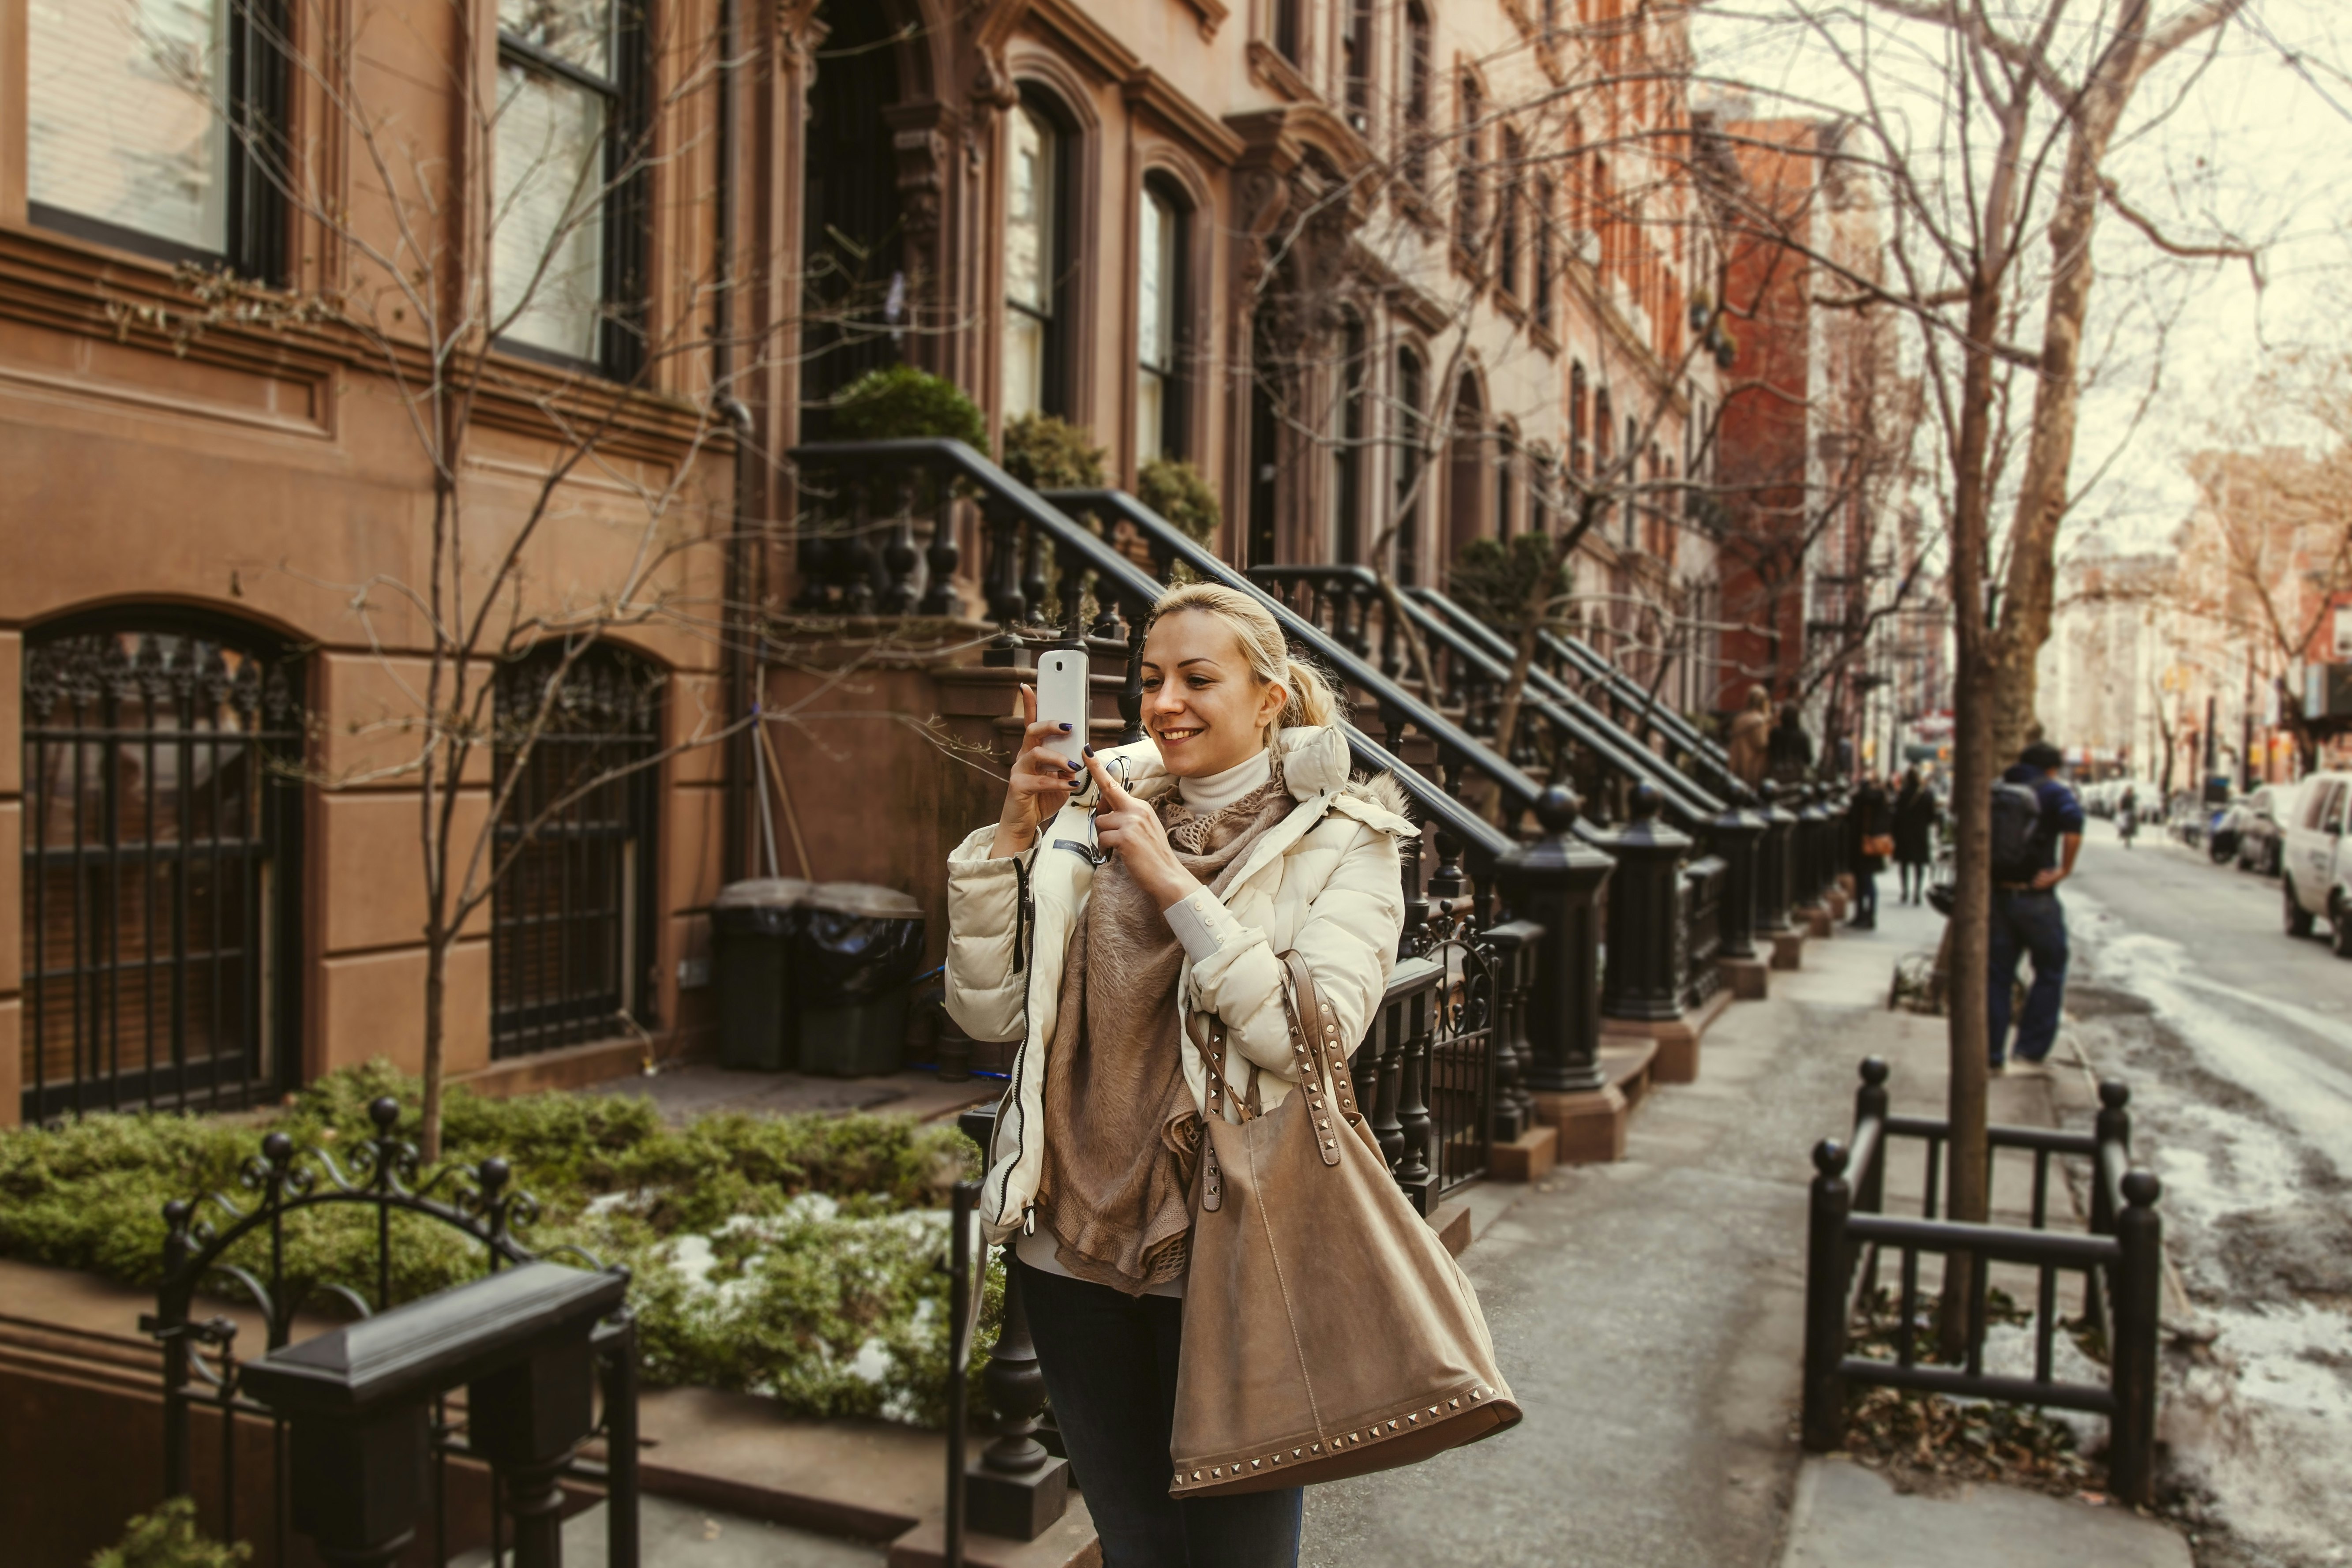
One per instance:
(1789, 950)
(1529, 1157)
(1745, 979)
(1591, 1126)
(1821, 922)
(1677, 1039)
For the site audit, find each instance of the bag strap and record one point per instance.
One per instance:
(1317, 1052)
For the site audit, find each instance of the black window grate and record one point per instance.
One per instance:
(571, 917)
(162, 810)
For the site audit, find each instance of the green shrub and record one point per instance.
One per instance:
(1047, 452)
(803, 1207)
(1177, 490)
(168, 1538)
(899, 402)
(1493, 581)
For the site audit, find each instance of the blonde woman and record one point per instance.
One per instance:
(1231, 834)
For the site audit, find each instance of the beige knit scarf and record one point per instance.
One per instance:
(1121, 1129)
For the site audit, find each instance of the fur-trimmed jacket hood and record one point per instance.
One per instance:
(1323, 882)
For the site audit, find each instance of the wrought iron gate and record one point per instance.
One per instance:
(571, 919)
(161, 810)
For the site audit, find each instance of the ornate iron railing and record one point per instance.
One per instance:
(1702, 916)
(1474, 675)
(201, 1367)
(1564, 661)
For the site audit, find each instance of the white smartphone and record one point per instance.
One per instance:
(1063, 698)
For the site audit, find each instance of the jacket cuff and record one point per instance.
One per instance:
(1190, 918)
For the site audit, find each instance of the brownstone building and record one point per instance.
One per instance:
(333, 332)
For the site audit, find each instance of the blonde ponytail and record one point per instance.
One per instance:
(1312, 698)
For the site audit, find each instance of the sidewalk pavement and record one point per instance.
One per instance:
(1649, 1317)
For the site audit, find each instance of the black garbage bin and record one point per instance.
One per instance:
(755, 932)
(859, 948)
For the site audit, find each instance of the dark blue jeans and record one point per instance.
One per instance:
(1865, 896)
(1109, 1362)
(2026, 923)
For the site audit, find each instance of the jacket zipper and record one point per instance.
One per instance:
(1022, 913)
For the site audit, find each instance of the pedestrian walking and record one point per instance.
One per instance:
(1870, 824)
(1790, 752)
(1750, 739)
(1134, 961)
(1915, 836)
(2037, 832)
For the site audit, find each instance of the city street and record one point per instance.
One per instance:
(2237, 1042)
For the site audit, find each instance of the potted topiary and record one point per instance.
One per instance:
(1178, 491)
(1047, 452)
(900, 402)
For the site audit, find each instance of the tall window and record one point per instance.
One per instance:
(567, 190)
(1348, 455)
(1033, 263)
(571, 921)
(1160, 296)
(1507, 458)
(1416, 94)
(1358, 53)
(155, 128)
(1576, 448)
(1543, 283)
(1286, 29)
(1410, 394)
(1469, 181)
(1506, 262)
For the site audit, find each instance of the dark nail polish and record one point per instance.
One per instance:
(1065, 729)
(1090, 750)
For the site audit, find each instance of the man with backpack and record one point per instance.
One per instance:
(2037, 831)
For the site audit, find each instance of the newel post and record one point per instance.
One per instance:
(1642, 980)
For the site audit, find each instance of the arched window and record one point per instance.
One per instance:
(1036, 262)
(572, 921)
(1162, 295)
(160, 893)
(1409, 415)
(1506, 460)
(1348, 451)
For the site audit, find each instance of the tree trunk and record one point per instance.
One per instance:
(2031, 590)
(436, 963)
(1972, 771)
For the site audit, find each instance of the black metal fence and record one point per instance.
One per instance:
(161, 830)
(2119, 1260)
(237, 1245)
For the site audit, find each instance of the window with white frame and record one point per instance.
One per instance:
(1159, 299)
(155, 126)
(563, 241)
(1033, 265)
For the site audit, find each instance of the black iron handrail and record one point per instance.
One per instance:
(1705, 759)
(1688, 805)
(1044, 514)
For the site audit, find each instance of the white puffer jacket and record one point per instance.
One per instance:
(1323, 882)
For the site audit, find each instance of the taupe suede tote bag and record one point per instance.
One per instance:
(1327, 1332)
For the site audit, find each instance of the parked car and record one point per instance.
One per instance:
(2262, 836)
(2316, 862)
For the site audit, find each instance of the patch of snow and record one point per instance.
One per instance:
(873, 1362)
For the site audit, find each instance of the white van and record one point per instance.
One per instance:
(2316, 866)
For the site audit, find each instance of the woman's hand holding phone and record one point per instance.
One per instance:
(1041, 784)
(1132, 828)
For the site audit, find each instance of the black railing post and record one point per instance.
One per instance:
(1870, 1104)
(1824, 1396)
(1415, 1170)
(2139, 1278)
(2112, 1133)
(1736, 837)
(1557, 882)
(616, 1344)
(1516, 945)
(1642, 980)
(1016, 1489)
(1776, 875)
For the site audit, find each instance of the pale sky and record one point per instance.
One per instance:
(2251, 150)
